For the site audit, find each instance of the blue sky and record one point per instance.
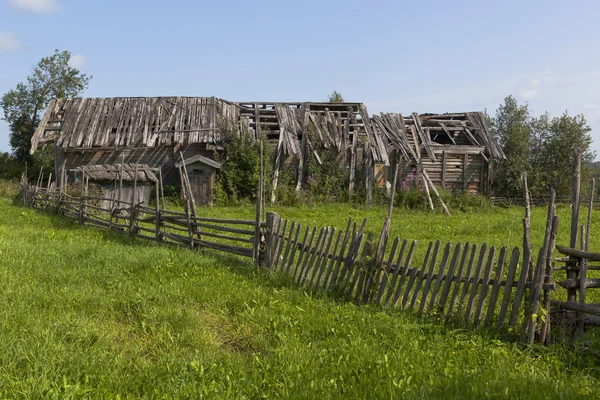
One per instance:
(438, 56)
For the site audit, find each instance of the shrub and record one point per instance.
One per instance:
(9, 188)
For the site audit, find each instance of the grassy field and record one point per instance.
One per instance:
(89, 314)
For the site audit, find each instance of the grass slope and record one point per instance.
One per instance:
(87, 314)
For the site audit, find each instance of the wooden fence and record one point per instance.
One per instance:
(479, 286)
(235, 236)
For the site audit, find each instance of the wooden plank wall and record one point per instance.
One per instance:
(449, 172)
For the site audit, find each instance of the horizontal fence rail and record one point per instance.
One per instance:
(152, 223)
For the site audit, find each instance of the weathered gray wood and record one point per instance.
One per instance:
(310, 266)
(440, 275)
(575, 203)
(423, 275)
(593, 309)
(576, 253)
(289, 240)
(293, 248)
(336, 272)
(405, 272)
(325, 282)
(279, 245)
(395, 270)
(468, 280)
(451, 277)
(484, 287)
(305, 248)
(475, 285)
(384, 279)
(545, 331)
(273, 227)
(354, 273)
(259, 200)
(496, 286)
(322, 261)
(512, 271)
(428, 282)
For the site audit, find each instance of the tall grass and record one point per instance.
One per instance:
(88, 314)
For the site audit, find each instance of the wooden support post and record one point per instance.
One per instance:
(277, 168)
(303, 147)
(187, 208)
(133, 200)
(353, 151)
(584, 262)
(369, 174)
(81, 199)
(545, 331)
(538, 278)
(257, 234)
(190, 195)
(444, 168)
(465, 176)
(527, 255)
(157, 211)
(572, 265)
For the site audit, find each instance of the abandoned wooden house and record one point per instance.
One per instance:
(456, 151)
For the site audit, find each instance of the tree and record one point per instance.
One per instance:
(514, 132)
(564, 135)
(335, 97)
(51, 77)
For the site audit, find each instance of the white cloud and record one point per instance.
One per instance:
(531, 90)
(36, 6)
(591, 106)
(77, 61)
(8, 41)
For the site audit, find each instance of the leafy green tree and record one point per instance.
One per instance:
(238, 178)
(514, 133)
(335, 97)
(564, 135)
(52, 77)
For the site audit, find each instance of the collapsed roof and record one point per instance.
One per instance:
(132, 122)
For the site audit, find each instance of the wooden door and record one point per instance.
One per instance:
(201, 189)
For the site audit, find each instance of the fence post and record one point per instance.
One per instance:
(273, 222)
(81, 200)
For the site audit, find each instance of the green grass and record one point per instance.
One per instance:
(89, 314)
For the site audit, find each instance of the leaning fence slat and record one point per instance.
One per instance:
(512, 271)
(496, 286)
(475, 285)
(468, 275)
(430, 276)
(421, 275)
(384, 278)
(340, 256)
(397, 267)
(280, 240)
(405, 271)
(325, 282)
(304, 255)
(322, 262)
(450, 278)
(484, 286)
(301, 248)
(440, 276)
(288, 262)
(310, 266)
